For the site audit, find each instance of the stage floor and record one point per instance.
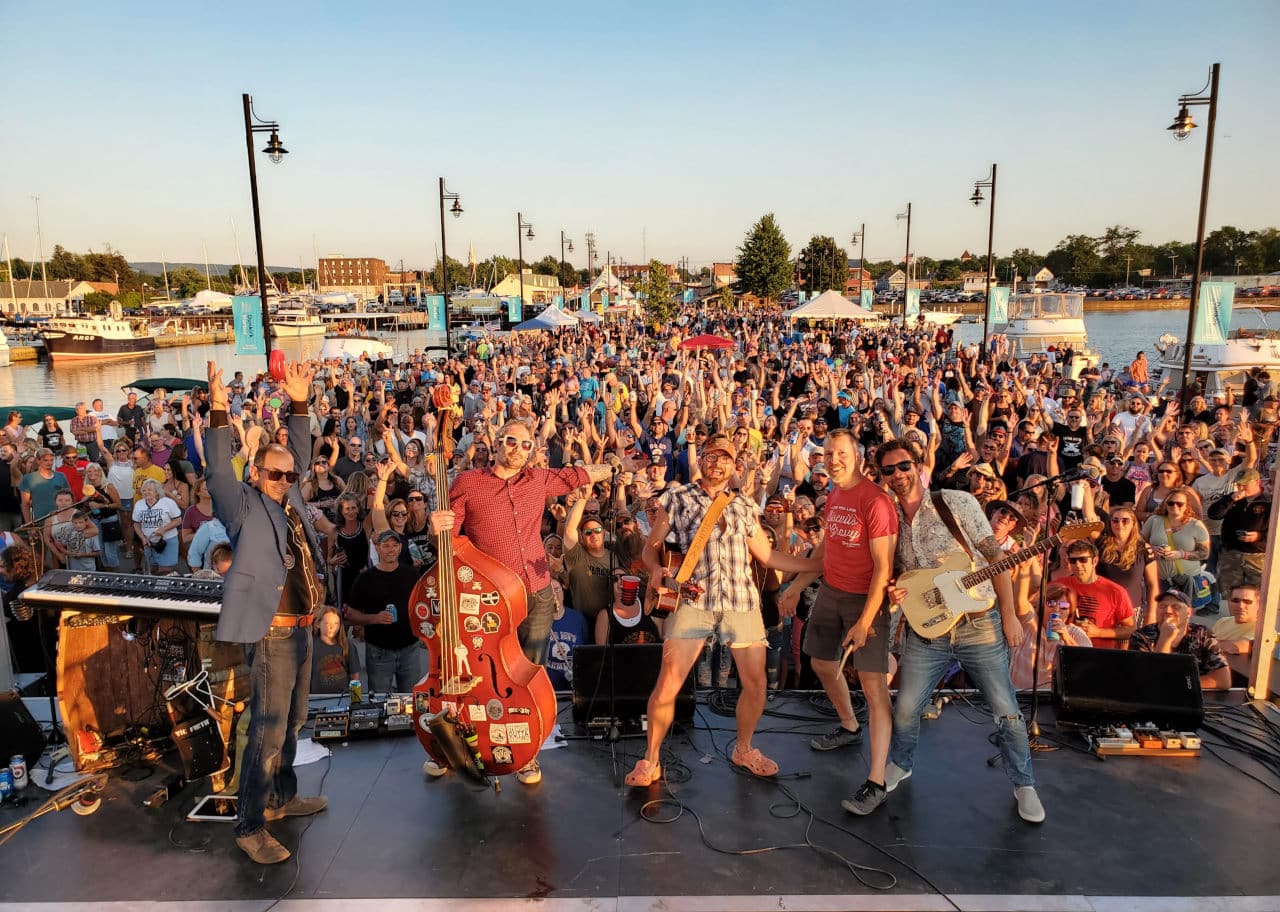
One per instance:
(1173, 831)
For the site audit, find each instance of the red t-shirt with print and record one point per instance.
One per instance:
(855, 516)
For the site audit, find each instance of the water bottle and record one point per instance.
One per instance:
(1052, 634)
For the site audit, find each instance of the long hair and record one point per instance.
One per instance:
(341, 639)
(21, 563)
(1112, 550)
(1189, 495)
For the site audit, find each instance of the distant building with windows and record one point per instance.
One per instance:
(366, 276)
(538, 289)
(723, 274)
(34, 298)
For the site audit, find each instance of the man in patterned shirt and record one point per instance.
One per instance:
(980, 642)
(499, 508)
(727, 603)
(1175, 634)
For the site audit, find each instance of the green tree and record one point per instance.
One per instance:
(458, 275)
(764, 260)
(1173, 259)
(1264, 255)
(1227, 245)
(727, 299)
(64, 264)
(880, 270)
(824, 265)
(548, 265)
(1076, 258)
(185, 282)
(659, 298)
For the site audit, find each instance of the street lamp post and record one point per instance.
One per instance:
(976, 199)
(522, 225)
(456, 209)
(861, 237)
(1181, 128)
(562, 260)
(275, 151)
(906, 263)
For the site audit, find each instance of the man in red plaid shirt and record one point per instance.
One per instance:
(499, 508)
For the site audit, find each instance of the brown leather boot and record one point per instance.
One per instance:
(263, 848)
(298, 807)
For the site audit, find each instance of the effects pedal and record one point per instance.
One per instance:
(330, 726)
(1170, 740)
(365, 718)
(1190, 740)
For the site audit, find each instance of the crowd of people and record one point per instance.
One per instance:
(586, 457)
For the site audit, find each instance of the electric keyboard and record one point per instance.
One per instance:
(127, 593)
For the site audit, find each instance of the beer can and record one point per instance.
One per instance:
(6, 783)
(356, 690)
(18, 767)
(391, 609)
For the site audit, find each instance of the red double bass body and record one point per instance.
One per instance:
(466, 610)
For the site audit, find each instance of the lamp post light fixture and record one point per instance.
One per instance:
(861, 237)
(522, 225)
(456, 209)
(276, 152)
(906, 263)
(976, 199)
(563, 242)
(1181, 128)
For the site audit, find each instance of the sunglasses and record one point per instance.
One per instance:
(511, 442)
(1176, 503)
(277, 474)
(1166, 471)
(399, 513)
(596, 531)
(905, 466)
(1078, 559)
(416, 499)
(1122, 520)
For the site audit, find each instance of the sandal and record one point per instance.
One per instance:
(754, 762)
(644, 774)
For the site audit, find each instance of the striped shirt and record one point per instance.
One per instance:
(724, 567)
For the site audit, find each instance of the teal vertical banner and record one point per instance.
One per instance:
(800, 299)
(604, 300)
(246, 310)
(998, 305)
(584, 303)
(688, 296)
(913, 303)
(558, 301)
(435, 313)
(515, 312)
(868, 298)
(1213, 315)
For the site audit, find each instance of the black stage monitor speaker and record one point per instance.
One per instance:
(19, 731)
(1108, 686)
(621, 677)
(196, 734)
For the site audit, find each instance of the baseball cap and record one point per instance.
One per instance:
(722, 442)
(1177, 594)
(657, 459)
(1219, 451)
(1248, 476)
(820, 469)
(983, 468)
(384, 535)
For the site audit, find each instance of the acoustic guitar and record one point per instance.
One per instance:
(938, 597)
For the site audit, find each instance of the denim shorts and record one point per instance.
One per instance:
(731, 628)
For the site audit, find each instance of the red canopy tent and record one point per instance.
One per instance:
(707, 341)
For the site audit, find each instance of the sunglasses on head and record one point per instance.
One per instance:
(511, 442)
(277, 474)
(905, 466)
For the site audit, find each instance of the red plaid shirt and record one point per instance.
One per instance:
(503, 518)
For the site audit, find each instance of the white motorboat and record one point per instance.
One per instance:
(1220, 356)
(1038, 322)
(294, 323)
(940, 317)
(4, 350)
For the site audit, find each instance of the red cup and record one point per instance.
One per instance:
(630, 589)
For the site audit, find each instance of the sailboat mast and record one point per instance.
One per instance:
(13, 283)
(164, 267)
(208, 282)
(244, 281)
(44, 273)
(315, 252)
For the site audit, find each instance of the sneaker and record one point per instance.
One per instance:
(530, 773)
(866, 799)
(434, 769)
(837, 737)
(263, 848)
(1029, 807)
(893, 775)
(298, 807)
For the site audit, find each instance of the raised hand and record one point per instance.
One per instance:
(217, 391)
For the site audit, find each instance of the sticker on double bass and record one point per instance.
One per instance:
(517, 733)
(494, 709)
(422, 611)
(489, 599)
(489, 622)
(466, 574)
(471, 624)
(497, 733)
(502, 755)
(476, 712)
(427, 629)
(468, 603)
(477, 642)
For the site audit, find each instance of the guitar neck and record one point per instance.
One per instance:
(1008, 563)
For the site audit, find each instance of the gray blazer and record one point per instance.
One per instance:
(258, 531)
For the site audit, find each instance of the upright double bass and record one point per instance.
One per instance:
(482, 705)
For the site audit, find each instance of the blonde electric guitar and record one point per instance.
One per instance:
(938, 597)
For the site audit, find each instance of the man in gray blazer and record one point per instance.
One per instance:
(269, 598)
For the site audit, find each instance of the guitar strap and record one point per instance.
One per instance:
(949, 520)
(702, 536)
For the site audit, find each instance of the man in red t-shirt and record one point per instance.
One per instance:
(1104, 609)
(857, 552)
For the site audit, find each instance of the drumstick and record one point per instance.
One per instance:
(848, 651)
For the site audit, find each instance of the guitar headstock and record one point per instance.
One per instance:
(1078, 530)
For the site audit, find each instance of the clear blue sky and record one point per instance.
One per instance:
(675, 124)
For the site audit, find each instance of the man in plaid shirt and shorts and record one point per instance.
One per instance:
(727, 603)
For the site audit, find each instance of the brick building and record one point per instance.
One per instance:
(359, 275)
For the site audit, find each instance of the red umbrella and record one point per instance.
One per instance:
(707, 341)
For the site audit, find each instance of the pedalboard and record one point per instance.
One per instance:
(1142, 740)
(386, 714)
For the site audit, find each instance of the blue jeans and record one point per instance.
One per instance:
(535, 629)
(979, 645)
(403, 666)
(279, 685)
